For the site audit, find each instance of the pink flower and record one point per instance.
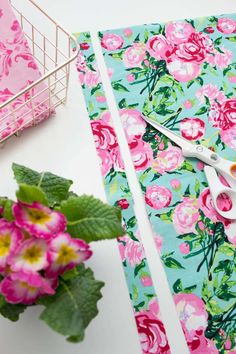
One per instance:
(131, 250)
(91, 78)
(178, 32)
(84, 46)
(220, 59)
(130, 78)
(229, 137)
(232, 78)
(230, 232)
(188, 104)
(38, 219)
(128, 32)
(30, 256)
(223, 115)
(226, 25)
(80, 62)
(141, 153)
(183, 71)
(134, 55)
(200, 165)
(209, 29)
(66, 252)
(158, 47)
(104, 135)
(186, 215)
(158, 242)
(101, 99)
(224, 202)
(168, 160)
(151, 330)
(146, 280)
(158, 197)
(111, 41)
(184, 248)
(10, 237)
(123, 203)
(192, 128)
(195, 48)
(211, 92)
(175, 184)
(24, 288)
(106, 161)
(133, 123)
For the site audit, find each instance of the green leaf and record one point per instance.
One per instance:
(177, 286)
(231, 39)
(189, 289)
(90, 219)
(122, 103)
(119, 87)
(96, 88)
(186, 166)
(30, 194)
(172, 263)
(10, 311)
(139, 267)
(167, 217)
(7, 208)
(55, 188)
(202, 110)
(74, 305)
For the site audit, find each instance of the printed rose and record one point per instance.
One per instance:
(91, 78)
(104, 135)
(111, 41)
(186, 215)
(158, 47)
(151, 330)
(223, 115)
(229, 137)
(105, 161)
(178, 32)
(168, 160)
(141, 153)
(221, 58)
(158, 242)
(123, 203)
(133, 123)
(211, 92)
(131, 250)
(183, 71)
(195, 48)
(192, 128)
(134, 55)
(226, 25)
(158, 197)
(80, 62)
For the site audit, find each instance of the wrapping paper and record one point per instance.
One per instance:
(151, 331)
(183, 74)
(18, 69)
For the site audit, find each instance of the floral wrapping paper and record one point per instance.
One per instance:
(151, 331)
(183, 75)
(18, 69)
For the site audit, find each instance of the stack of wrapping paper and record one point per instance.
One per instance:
(183, 75)
(18, 69)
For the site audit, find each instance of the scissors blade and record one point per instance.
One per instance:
(178, 140)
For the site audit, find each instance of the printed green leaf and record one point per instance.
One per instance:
(231, 39)
(202, 110)
(10, 311)
(96, 88)
(170, 262)
(186, 166)
(90, 219)
(122, 103)
(177, 286)
(131, 222)
(167, 217)
(74, 305)
(189, 289)
(119, 87)
(139, 267)
(55, 188)
(117, 55)
(30, 194)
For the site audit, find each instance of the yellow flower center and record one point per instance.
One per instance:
(5, 243)
(66, 255)
(33, 254)
(27, 286)
(38, 216)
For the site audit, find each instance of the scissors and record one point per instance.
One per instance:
(215, 163)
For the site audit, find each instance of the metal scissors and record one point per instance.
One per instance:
(215, 163)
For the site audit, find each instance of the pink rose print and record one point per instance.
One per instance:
(226, 25)
(211, 92)
(151, 330)
(186, 215)
(104, 135)
(188, 104)
(123, 203)
(168, 160)
(232, 78)
(133, 123)
(158, 47)
(220, 59)
(192, 128)
(229, 137)
(178, 32)
(106, 161)
(131, 250)
(184, 248)
(175, 184)
(223, 115)
(193, 318)
(158, 242)
(80, 62)
(128, 32)
(134, 55)
(91, 78)
(141, 153)
(146, 280)
(183, 71)
(111, 41)
(158, 197)
(230, 232)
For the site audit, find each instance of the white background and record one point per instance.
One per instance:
(64, 146)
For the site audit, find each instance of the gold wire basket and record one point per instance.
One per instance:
(53, 49)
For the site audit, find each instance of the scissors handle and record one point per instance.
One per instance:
(225, 167)
(217, 189)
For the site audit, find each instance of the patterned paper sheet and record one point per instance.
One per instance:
(183, 74)
(18, 69)
(151, 331)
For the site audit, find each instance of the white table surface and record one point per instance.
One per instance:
(64, 146)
